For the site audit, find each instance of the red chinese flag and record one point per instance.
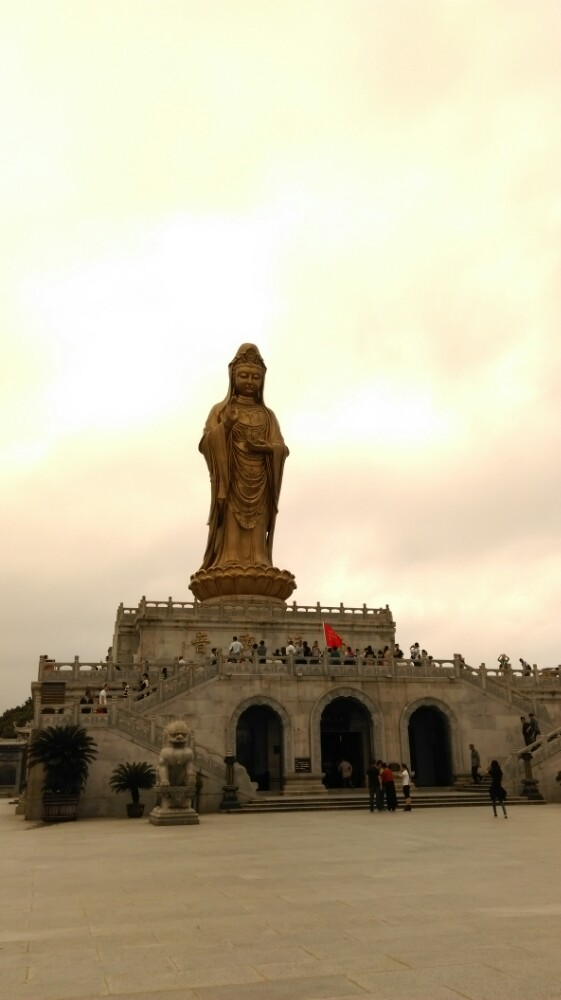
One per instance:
(331, 637)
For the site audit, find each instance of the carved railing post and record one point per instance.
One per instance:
(230, 797)
(530, 784)
(483, 676)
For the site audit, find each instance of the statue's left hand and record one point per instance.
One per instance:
(260, 446)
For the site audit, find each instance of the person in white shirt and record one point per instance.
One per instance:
(236, 649)
(406, 787)
(346, 771)
(102, 698)
(290, 649)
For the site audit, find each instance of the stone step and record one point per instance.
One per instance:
(428, 800)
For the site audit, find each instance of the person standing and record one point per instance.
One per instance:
(346, 771)
(316, 652)
(388, 785)
(102, 699)
(535, 730)
(526, 730)
(87, 700)
(475, 765)
(496, 790)
(374, 786)
(415, 652)
(235, 650)
(406, 787)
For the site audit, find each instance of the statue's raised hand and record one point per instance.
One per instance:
(230, 416)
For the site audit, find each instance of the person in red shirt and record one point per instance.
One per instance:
(388, 786)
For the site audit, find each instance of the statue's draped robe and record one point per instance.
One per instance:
(245, 486)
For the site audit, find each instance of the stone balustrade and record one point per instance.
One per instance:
(96, 673)
(227, 610)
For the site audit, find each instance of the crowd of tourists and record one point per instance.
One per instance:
(301, 651)
(381, 784)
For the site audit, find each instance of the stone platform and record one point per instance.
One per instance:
(407, 906)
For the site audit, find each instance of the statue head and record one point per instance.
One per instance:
(177, 734)
(247, 361)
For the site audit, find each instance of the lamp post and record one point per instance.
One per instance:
(230, 789)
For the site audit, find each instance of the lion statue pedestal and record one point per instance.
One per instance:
(176, 779)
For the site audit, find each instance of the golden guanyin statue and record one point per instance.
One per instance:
(245, 453)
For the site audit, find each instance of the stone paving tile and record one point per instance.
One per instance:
(253, 955)
(482, 982)
(205, 936)
(77, 961)
(194, 978)
(13, 975)
(11, 926)
(130, 933)
(15, 948)
(320, 988)
(344, 967)
(67, 990)
(131, 960)
(51, 941)
(166, 994)
(313, 934)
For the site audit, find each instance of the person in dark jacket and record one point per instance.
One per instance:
(496, 790)
(375, 793)
(534, 727)
(526, 731)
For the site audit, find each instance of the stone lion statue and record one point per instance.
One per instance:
(176, 764)
(176, 776)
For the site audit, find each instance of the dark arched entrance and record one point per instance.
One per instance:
(259, 747)
(345, 732)
(429, 746)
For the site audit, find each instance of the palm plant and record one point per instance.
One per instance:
(66, 753)
(133, 776)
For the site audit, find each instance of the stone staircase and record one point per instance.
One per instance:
(423, 798)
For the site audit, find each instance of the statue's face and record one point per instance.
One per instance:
(248, 380)
(177, 734)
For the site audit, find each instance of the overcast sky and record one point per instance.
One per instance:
(371, 193)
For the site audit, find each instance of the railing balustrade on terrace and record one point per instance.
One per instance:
(226, 610)
(522, 763)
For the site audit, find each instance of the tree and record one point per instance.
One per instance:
(17, 716)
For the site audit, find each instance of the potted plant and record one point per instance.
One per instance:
(66, 753)
(133, 777)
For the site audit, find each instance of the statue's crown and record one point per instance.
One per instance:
(248, 355)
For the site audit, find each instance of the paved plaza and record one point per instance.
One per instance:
(433, 905)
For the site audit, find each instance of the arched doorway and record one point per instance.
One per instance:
(259, 747)
(429, 746)
(345, 729)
